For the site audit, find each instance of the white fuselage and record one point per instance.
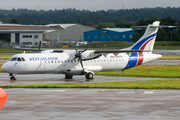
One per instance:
(38, 63)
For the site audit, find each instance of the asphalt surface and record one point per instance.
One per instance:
(91, 104)
(59, 78)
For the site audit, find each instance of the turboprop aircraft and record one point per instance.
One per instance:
(84, 62)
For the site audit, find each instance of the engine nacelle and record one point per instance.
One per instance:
(88, 54)
(74, 71)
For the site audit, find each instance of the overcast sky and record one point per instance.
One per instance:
(86, 4)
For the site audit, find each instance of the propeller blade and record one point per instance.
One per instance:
(75, 47)
(81, 64)
(83, 51)
(39, 46)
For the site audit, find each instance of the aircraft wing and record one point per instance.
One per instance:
(95, 51)
(33, 49)
(30, 27)
(116, 51)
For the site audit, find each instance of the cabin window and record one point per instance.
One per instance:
(13, 59)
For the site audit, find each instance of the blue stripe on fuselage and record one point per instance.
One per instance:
(133, 59)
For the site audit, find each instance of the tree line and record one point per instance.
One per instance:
(111, 18)
(86, 17)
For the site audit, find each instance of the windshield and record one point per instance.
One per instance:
(17, 59)
(13, 59)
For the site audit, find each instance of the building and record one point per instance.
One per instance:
(73, 33)
(22, 38)
(109, 34)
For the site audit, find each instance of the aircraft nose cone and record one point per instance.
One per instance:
(3, 97)
(4, 67)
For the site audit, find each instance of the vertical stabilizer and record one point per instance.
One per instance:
(146, 42)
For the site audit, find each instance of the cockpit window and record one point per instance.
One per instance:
(13, 59)
(19, 59)
(23, 59)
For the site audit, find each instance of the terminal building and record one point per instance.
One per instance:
(109, 34)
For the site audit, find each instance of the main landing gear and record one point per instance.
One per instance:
(89, 76)
(68, 76)
(12, 78)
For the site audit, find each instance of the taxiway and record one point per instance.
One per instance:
(90, 104)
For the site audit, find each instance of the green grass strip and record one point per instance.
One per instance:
(160, 71)
(171, 57)
(153, 84)
(5, 56)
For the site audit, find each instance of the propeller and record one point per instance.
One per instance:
(79, 56)
(39, 48)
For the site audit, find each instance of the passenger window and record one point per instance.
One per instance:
(13, 59)
(19, 59)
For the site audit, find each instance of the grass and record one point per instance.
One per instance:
(152, 84)
(160, 71)
(5, 56)
(167, 47)
(171, 57)
(0, 68)
(10, 50)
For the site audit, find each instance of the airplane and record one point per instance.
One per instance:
(84, 62)
(3, 97)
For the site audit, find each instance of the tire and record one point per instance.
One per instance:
(89, 76)
(68, 76)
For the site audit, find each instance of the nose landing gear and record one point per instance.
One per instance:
(12, 78)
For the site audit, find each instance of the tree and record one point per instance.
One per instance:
(105, 25)
(14, 21)
(136, 36)
(162, 35)
(168, 21)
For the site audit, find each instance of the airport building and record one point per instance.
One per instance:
(109, 34)
(73, 33)
(20, 38)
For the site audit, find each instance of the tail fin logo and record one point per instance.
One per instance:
(142, 44)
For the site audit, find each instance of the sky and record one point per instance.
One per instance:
(91, 5)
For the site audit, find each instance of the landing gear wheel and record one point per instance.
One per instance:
(68, 76)
(89, 76)
(13, 78)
